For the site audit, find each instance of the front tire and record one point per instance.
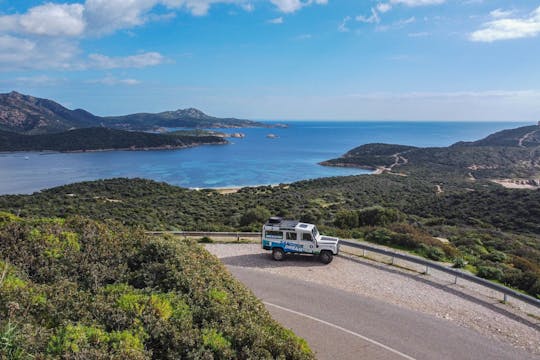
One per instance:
(326, 257)
(278, 254)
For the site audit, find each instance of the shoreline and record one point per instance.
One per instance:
(234, 189)
(153, 148)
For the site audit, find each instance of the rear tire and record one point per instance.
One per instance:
(278, 254)
(326, 257)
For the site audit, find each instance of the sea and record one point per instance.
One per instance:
(256, 159)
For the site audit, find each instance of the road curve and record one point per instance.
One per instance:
(342, 325)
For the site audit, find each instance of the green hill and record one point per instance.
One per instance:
(513, 153)
(100, 139)
(79, 289)
(26, 114)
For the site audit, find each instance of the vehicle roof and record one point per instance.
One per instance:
(290, 225)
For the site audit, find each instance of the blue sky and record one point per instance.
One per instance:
(279, 59)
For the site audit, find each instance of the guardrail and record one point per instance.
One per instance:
(208, 233)
(455, 272)
(394, 255)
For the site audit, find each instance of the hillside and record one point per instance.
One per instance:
(26, 114)
(493, 230)
(187, 118)
(100, 138)
(513, 153)
(30, 115)
(79, 289)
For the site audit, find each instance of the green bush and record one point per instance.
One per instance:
(490, 272)
(377, 216)
(257, 215)
(459, 263)
(94, 290)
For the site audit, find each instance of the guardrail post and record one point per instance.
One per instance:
(237, 237)
(392, 260)
(363, 252)
(427, 270)
(505, 298)
(455, 280)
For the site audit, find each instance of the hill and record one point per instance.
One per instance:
(30, 115)
(80, 289)
(525, 136)
(26, 114)
(101, 138)
(513, 153)
(186, 118)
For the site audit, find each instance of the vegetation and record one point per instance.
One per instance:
(75, 288)
(25, 114)
(406, 212)
(100, 138)
(507, 154)
(433, 209)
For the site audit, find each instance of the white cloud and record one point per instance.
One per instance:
(374, 18)
(500, 13)
(383, 7)
(290, 6)
(47, 20)
(278, 20)
(111, 81)
(21, 53)
(509, 28)
(303, 37)
(343, 26)
(146, 59)
(419, 34)
(413, 3)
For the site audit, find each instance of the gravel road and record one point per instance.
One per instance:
(429, 294)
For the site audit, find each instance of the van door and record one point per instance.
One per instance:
(306, 240)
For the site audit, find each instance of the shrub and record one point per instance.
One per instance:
(459, 263)
(377, 216)
(346, 219)
(255, 215)
(490, 272)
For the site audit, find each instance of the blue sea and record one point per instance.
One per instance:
(254, 160)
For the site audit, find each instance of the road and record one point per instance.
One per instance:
(343, 325)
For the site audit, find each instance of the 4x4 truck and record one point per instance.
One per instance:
(290, 236)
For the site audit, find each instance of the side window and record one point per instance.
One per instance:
(291, 236)
(307, 237)
(278, 235)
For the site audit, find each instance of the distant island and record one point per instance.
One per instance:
(507, 157)
(25, 114)
(101, 138)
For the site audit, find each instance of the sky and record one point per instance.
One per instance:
(462, 60)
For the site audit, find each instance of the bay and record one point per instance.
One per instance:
(254, 160)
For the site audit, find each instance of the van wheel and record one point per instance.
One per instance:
(326, 257)
(278, 254)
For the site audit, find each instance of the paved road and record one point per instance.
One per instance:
(342, 325)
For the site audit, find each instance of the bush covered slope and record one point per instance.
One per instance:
(100, 138)
(79, 289)
(394, 210)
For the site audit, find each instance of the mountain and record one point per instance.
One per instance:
(30, 115)
(525, 136)
(26, 114)
(100, 138)
(186, 118)
(512, 153)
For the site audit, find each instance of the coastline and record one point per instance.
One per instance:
(152, 148)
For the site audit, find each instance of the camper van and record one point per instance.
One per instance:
(290, 236)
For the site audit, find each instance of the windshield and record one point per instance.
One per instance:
(315, 233)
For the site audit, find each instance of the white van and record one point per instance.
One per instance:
(290, 236)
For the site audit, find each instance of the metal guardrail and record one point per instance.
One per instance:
(209, 233)
(394, 255)
(457, 273)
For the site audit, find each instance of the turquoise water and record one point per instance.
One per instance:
(253, 160)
